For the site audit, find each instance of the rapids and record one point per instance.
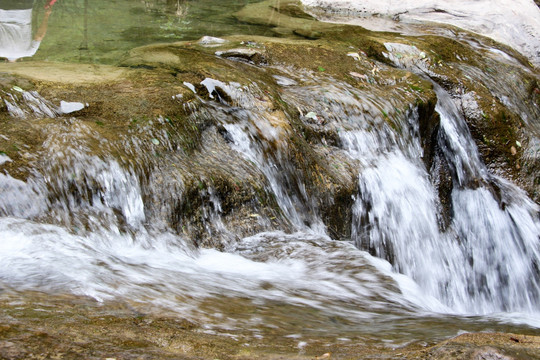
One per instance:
(100, 216)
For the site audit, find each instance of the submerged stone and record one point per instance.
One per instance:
(254, 56)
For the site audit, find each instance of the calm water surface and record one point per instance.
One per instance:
(102, 31)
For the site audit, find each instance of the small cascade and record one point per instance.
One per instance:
(100, 187)
(22, 104)
(457, 144)
(487, 260)
(86, 191)
(22, 199)
(395, 209)
(271, 167)
(226, 203)
(259, 135)
(212, 217)
(495, 266)
(496, 225)
(395, 213)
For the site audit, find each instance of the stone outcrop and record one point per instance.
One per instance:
(156, 115)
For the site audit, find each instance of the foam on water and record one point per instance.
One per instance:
(486, 261)
(160, 269)
(397, 212)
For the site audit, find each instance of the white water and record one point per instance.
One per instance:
(23, 104)
(291, 206)
(261, 140)
(486, 262)
(499, 239)
(158, 271)
(512, 22)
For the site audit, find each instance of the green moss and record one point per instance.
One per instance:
(415, 88)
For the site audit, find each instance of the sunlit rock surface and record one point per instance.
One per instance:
(515, 23)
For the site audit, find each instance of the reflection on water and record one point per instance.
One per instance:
(102, 31)
(20, 31)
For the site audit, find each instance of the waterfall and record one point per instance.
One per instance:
(487, 260)
(261, 139)
(496, 225)
(294, 207)
(105, 220)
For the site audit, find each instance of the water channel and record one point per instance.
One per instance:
(403, 275)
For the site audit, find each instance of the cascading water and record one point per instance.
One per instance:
(487, 260)
(397, 211)
(474, 267)
(262, 141)
(496, 225)
(102, 212)
(243, 143)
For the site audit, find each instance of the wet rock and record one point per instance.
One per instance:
(469, 104)
(63, 72)
(180, 133)
(489, 354)
(458, 13)
(26, 333)
(196, 143)
(286, 16)
(10, 350)
(486, 346)
(292, 9)
(8, 81)
(308, 34)
(250, 55)
(513, 150)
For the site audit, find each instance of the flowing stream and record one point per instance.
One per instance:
(403, 275)
(487, 259)
(484, 263)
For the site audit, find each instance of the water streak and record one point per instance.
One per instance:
(487, 259)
